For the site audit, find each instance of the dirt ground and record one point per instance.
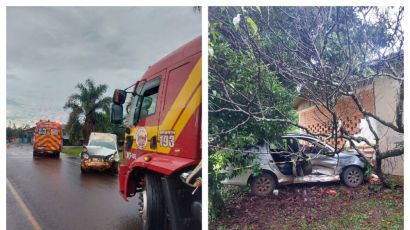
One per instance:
(330, 206)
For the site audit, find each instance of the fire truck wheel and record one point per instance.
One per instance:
(151, 210)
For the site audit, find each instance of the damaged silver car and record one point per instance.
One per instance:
(101, 153)
(299, 159)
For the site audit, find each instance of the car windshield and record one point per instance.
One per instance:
(103, 141)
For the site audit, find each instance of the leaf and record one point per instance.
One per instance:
(252, 24)
(210, 51)
(236, 20)
(259, 9)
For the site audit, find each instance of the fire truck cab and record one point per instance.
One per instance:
(162, 147)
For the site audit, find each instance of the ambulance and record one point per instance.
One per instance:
(48, 138)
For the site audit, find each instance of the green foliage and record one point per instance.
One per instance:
(237, 73)
(10, 133)
(14, 132)
(91, 104)
(72, 151)
(218, 162)
(103, 124)
(261, 58)
(73, 128)
(369, 169)
(375, 187)
(392, 184)
(252, 24)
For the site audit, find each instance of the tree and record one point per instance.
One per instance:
(325, 53)
(87, 103)
(239, 84)
(10, 133)
(74, 127)
(103, 124)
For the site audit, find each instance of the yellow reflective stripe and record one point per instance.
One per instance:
(177, 107)
(189, 110)
(183, 120)
(183, 96)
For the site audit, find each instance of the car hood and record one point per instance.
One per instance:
(99, 151)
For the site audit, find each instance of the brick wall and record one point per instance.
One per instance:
(318, 119)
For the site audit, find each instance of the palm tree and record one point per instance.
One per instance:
(87, 103)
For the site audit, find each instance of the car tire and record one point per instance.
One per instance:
(151, 204)
(263, 184)
(83, 171)
(57, 155)
(352, 176)
(114, 168)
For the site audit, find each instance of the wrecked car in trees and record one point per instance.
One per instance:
(299, 159)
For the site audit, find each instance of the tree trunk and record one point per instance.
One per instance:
(378, 167)
(87, 129)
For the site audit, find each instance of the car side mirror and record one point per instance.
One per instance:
(116, 114)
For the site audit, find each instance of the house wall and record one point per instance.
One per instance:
(386, 92)
(379, 98)
(318, 119)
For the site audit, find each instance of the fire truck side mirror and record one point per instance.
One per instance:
(116, 114)
(119, 96)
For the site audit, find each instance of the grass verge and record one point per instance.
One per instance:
(72, 151)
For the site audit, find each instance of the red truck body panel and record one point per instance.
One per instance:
(174, 124)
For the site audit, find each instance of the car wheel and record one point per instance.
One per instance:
(151, 204)
(114, 168)
(57, 155)
(83, 171)
(262, 185)
(352, 176)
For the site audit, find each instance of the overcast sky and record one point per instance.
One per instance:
(51, 49)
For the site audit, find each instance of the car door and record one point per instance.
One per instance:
(323, 159)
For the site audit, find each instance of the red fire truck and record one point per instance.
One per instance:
(162, 148)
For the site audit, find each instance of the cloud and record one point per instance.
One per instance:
(13, 102)
(11, 76)
(51, 49)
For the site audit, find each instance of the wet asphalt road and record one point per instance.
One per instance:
(59, 197)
